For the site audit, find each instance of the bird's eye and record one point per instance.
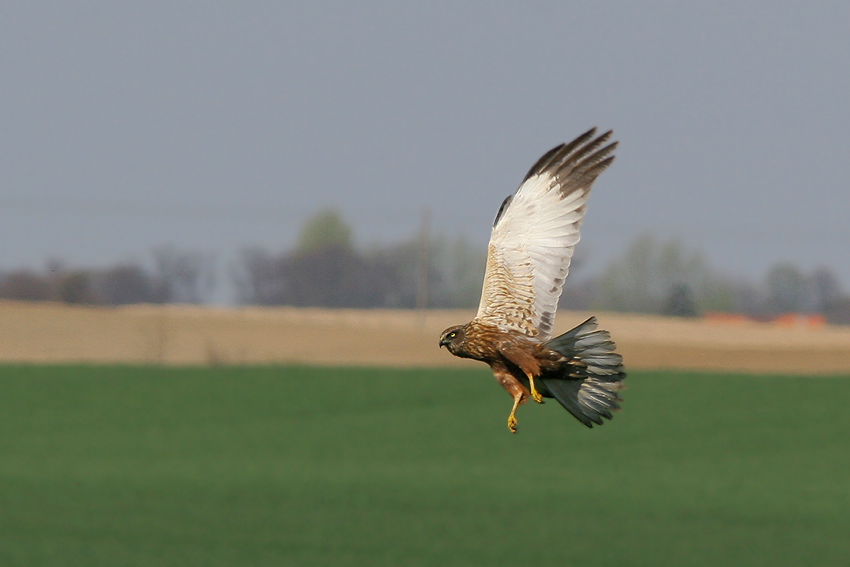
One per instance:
(452, 335)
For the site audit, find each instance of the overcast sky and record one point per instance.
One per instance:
(213, 126)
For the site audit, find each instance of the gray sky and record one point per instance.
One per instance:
(213, 125)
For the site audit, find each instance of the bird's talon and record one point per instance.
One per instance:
(534, 393)
(512, 423)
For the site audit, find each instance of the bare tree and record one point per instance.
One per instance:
(75, 287)
(26, 285)
(786, 287)
(183, 277)
(126, 284)
(824, 289)
(259, 278)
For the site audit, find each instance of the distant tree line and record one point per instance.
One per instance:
(326, 269)
(667, 278)
(174, 277)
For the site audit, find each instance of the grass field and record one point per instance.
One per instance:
(304, 466)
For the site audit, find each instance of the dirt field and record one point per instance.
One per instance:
(42, 332)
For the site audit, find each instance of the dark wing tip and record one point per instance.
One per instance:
(542, 163)
(557, 153)
(580, 168)
(580, 154)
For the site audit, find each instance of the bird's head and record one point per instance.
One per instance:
(453, 339)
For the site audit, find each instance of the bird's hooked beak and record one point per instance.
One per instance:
(448, 338)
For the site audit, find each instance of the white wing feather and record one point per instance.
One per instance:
(534, 236)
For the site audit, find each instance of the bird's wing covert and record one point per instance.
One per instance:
(535, 233)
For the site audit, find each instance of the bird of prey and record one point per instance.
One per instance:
(528, 259)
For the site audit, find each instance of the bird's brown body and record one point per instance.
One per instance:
(529, 255)
(516, 360)
(517, 355)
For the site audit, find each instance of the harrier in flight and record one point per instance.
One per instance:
(528, 260)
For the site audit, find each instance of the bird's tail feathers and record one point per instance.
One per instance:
(587, 384)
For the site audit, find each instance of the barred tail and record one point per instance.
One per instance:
(588, 383)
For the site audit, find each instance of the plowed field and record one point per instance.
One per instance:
(50, 333)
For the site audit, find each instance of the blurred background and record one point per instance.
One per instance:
(330, 154)
(335, 154)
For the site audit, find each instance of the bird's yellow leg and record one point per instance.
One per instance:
(534, 393)
(512, 417)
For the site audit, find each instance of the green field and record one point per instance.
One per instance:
(305, 466)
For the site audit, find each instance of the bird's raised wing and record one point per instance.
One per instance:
(534, 235)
